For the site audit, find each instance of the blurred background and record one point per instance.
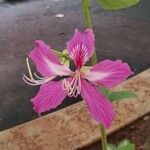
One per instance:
(121, 34)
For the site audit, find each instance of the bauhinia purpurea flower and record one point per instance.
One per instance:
(85, 83)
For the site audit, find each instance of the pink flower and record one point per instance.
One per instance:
(80, 48)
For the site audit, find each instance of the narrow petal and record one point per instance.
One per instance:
(46, 61)
(99, 107)
(81, 47)
(109, 73)
(50, 96)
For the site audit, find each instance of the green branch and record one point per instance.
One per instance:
(86, 9)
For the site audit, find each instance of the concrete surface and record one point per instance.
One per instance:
(122, 34)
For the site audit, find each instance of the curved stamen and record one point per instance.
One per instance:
(36, 82)
(73, 87)
(31, 80)
(37, 76)
(29, 69)
(79, 85)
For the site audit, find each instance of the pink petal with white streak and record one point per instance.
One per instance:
(46, 61)
(81, 47)
(109, 73)
(99, 107)
(49, 96)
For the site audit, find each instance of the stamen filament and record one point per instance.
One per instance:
(37, 82)
(32, 81)
(29, 69)
(73, 87)
(37, 76)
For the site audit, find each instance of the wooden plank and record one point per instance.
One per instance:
(72, 127)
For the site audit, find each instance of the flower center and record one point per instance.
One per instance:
(73, 86)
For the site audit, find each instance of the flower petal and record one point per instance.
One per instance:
(81, 47)
(99, 107)
(50, 96)
(46, 61)
(109, 73)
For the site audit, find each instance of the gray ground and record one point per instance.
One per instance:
(123, 34)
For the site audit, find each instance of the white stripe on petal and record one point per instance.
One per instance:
(58, 69)
(94, 76)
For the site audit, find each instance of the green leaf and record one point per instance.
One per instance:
(104, 91)
(117, 4)
(111, 147)
(126, 145)
(120, 95)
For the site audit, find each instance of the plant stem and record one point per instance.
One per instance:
(103, 137)
(86, 9)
